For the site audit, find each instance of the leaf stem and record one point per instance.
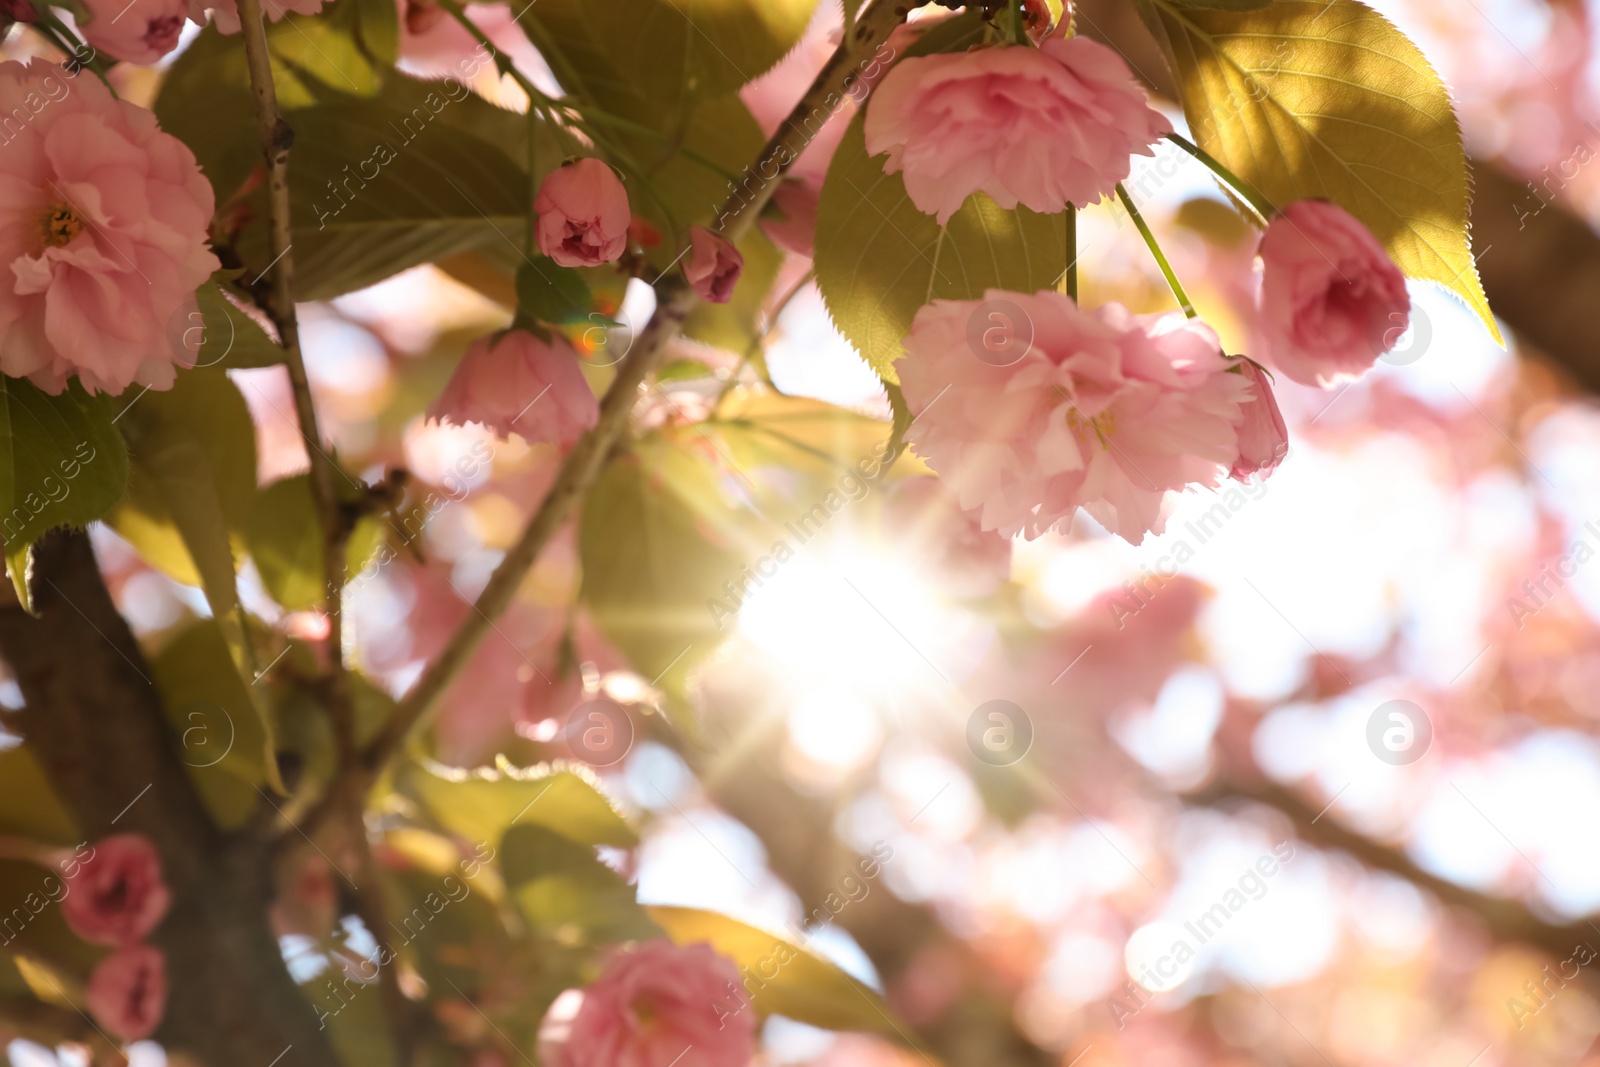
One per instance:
(1257, 203)
(1069, 277)
(76, 51)
(1155, 250)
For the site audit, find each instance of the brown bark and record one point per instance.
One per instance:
(94, 718)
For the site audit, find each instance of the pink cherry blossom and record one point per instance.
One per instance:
(515, 382)
(1101, 409)
(1263, 437)
(791, 216)
(435, 45)
(128, 992)
(140, 32)
(1332, 301)
(1040, 126)
(225, 13)
(118, 895)
(943, 543)
(583, 214)
(662, 1005)
(713, 266)
(103, 223)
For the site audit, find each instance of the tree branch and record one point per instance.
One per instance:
(1508, 920)
(674, 301)
(276, 138)
(95, 720)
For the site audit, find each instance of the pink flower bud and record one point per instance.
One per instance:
(1330, 295)
(791, 216)
(714, 265)
(517, 383)
(583, 214)
(128, 992)
(118, 895)
(140, 32)
(662, 1005)
(1263, 438)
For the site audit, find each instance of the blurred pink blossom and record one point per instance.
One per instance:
(118, 895)
(515, 382)
(660, 1005)
(128, 992)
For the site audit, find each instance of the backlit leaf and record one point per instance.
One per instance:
(480, 805)
(785, 978)
(879, 258)
(62, 463)
(1326, 99)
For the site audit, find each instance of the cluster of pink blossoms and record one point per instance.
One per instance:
(116, 897)
(528, 381)
(1099, 409)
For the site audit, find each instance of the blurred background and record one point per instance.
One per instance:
(1312, 778)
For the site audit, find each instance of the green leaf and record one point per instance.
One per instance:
(702, 47)
(652, 590)
(285, 539)
(879, 259)
(378, 30)
(670, 51)
(482, 805)
(193, 480)
(205, 99)
(551, 293)
(29, 806)
(1326, 99)
(221, 333)
(375, 190)
(786, 979)
(62, 463)
(225, 742)
(563, 888)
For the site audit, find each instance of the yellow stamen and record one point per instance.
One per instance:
(60, 225)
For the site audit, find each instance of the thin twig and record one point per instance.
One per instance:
(276, 138)
(674, 302)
